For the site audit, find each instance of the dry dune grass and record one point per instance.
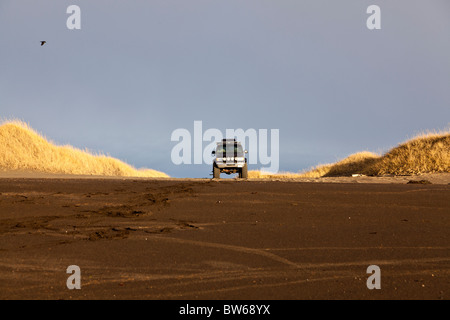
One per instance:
(21, 148)
(426, 153)
(353, 164)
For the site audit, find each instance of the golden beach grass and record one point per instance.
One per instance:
(22, 148)
(425, 153)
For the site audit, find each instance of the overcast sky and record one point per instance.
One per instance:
(138, 70)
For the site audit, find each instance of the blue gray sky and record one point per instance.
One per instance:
(138, 70)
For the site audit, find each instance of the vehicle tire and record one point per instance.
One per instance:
(216, 172)
(244, 172)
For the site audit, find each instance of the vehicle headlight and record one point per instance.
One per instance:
(239, 159)
(228, 159)
(219, 160)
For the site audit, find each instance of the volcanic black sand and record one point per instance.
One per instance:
(227, 239)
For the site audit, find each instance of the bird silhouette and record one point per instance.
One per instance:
(43, 42)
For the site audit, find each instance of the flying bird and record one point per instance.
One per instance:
(43, 42)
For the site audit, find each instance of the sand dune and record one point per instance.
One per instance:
(22, 148)
(426, 153)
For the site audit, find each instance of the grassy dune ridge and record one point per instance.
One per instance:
(22, 148)
(425, 153)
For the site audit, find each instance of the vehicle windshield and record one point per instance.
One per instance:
(229, 150)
